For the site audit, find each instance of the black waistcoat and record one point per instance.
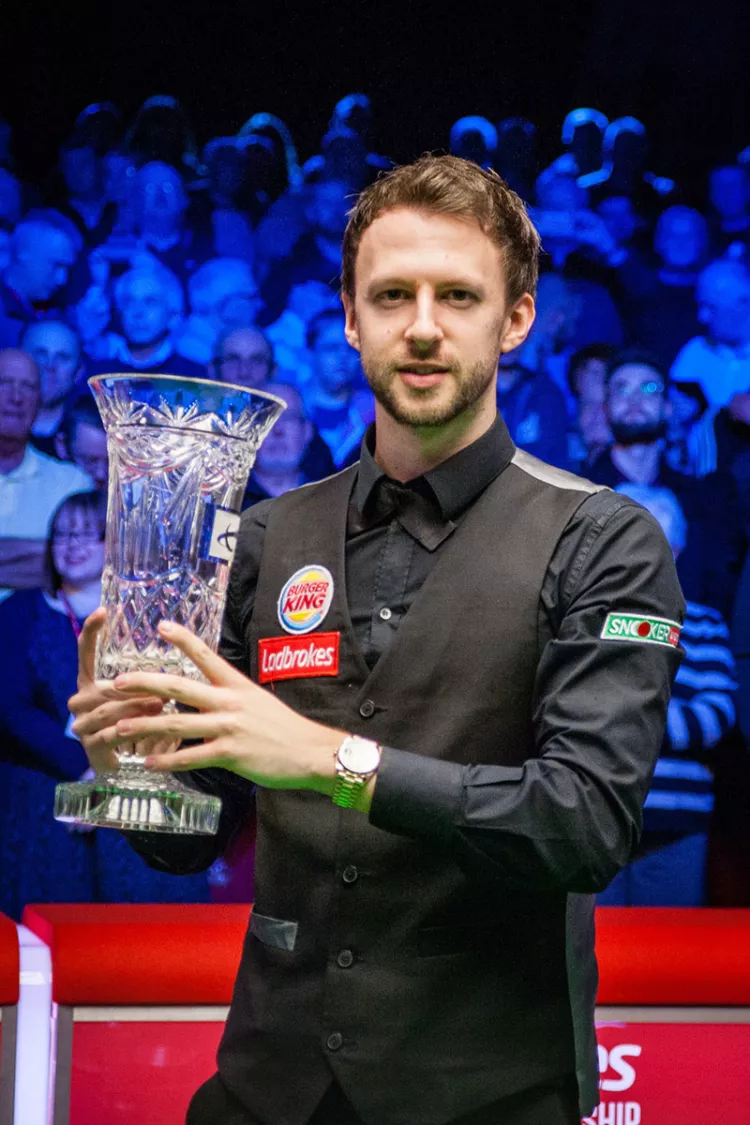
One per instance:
(378, 957)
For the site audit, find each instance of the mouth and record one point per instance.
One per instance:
(422, 374)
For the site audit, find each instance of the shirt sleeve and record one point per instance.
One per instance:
(570, 817)
(187, 855)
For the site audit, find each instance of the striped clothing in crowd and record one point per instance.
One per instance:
(701, 712)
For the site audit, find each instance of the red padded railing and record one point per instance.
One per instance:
(9, 962)
(151, 955)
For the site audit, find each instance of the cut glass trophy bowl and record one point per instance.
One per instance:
(180, 451)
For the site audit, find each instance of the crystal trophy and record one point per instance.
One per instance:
(180, 451)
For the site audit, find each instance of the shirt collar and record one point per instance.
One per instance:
(454, 483)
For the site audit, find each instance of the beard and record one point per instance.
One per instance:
(431, 406)
(638, 433)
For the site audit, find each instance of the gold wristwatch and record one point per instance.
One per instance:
(357, 759)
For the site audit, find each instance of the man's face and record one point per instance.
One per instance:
(145, 312)
(335, 365)
(245, 359)
(81, 170)
(88, 450)
(724, 306)
(45, 265)
(637, 405)
(19, 394)
(681, 242)
(592, 414)
(430, 317)
(328, 208)
(727, 191)
(284, 446)
(58, 355)
(160, 195)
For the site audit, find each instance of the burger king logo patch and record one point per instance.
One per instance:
(305, 599)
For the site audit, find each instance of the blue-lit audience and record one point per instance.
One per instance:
(147, 251)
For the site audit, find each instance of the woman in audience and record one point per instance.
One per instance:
(42, 860)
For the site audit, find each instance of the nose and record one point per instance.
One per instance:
(424, 330)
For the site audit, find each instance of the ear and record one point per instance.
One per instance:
(350, 329)
(518, 324)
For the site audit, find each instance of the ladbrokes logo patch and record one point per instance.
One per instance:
(305, 599)
(294, 658)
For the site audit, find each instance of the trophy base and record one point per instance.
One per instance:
(138, 801)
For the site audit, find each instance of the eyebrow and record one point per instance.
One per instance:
(378, 284)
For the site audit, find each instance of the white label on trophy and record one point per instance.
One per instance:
(223, 535)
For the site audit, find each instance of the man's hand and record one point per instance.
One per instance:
(98, 705)
(243, 727)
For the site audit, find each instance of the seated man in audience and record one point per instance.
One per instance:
(222, 294)
(57, 350)
(534, 410)
(638, 410)
(280, 463)
(150, 303)
(587, 372)
(669, 868)
(720, 359)
(41, 256)
(82, 440)
(244, 356)
(31, 483)
(333, 400)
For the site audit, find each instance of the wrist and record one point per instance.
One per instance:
(324, 746)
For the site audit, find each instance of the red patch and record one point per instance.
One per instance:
(674, 636)
(644, 629)
(295, 658)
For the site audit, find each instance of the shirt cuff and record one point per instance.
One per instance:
(417, 796)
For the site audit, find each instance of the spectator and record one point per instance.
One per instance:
(82, 440)
(223, 294)
(534, 411)
(317, 254)
(333, 403)
(41, 256)
(638, 411)
(726, 194)
(84, 201)
(548, 346)
(719, 360)
(10, 200)
(474, 138)
(150, 303)
(582, 136)
(31, 483)
(516, 159)
(161, 131)
(587, 373)
(160, 203)
(279, 465)
(624, 149)
(56, 348)
(40, 861)
(243, 356)
(670, 868)
(663, 315)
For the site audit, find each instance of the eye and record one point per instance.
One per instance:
(390, 296)
(460, 296)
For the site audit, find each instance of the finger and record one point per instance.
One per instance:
(208, 754)
(109, 714)
(193, 693)
(92, 696)
(87, 645)
(176, 726)
(213, 666)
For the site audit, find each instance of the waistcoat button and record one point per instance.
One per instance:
(367, 709)
(385, 614)
(345, 959)
(350, 873)
(334, 1041)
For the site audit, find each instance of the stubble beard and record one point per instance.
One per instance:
(429, 407)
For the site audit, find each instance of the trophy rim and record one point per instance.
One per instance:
(144, 375)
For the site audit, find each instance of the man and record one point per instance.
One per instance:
(339, 410)
(280, 463)
(41, 256)
(638, 411)
(31, 483)
(56, 348)
(534, 410)
(587, 373)
(150, 303)
(719, 360)
(670, 865)
(82, 440)
(222, 294)
(408, 961)
(245, 356)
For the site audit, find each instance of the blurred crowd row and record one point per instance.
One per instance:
(144, 252)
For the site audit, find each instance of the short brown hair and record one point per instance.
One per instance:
(448, 185)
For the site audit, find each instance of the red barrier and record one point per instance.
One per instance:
(9, 962)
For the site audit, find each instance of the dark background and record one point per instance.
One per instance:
(682, 67)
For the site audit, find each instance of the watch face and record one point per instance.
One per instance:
(359, 755)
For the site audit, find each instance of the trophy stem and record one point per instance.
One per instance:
(132, 797)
